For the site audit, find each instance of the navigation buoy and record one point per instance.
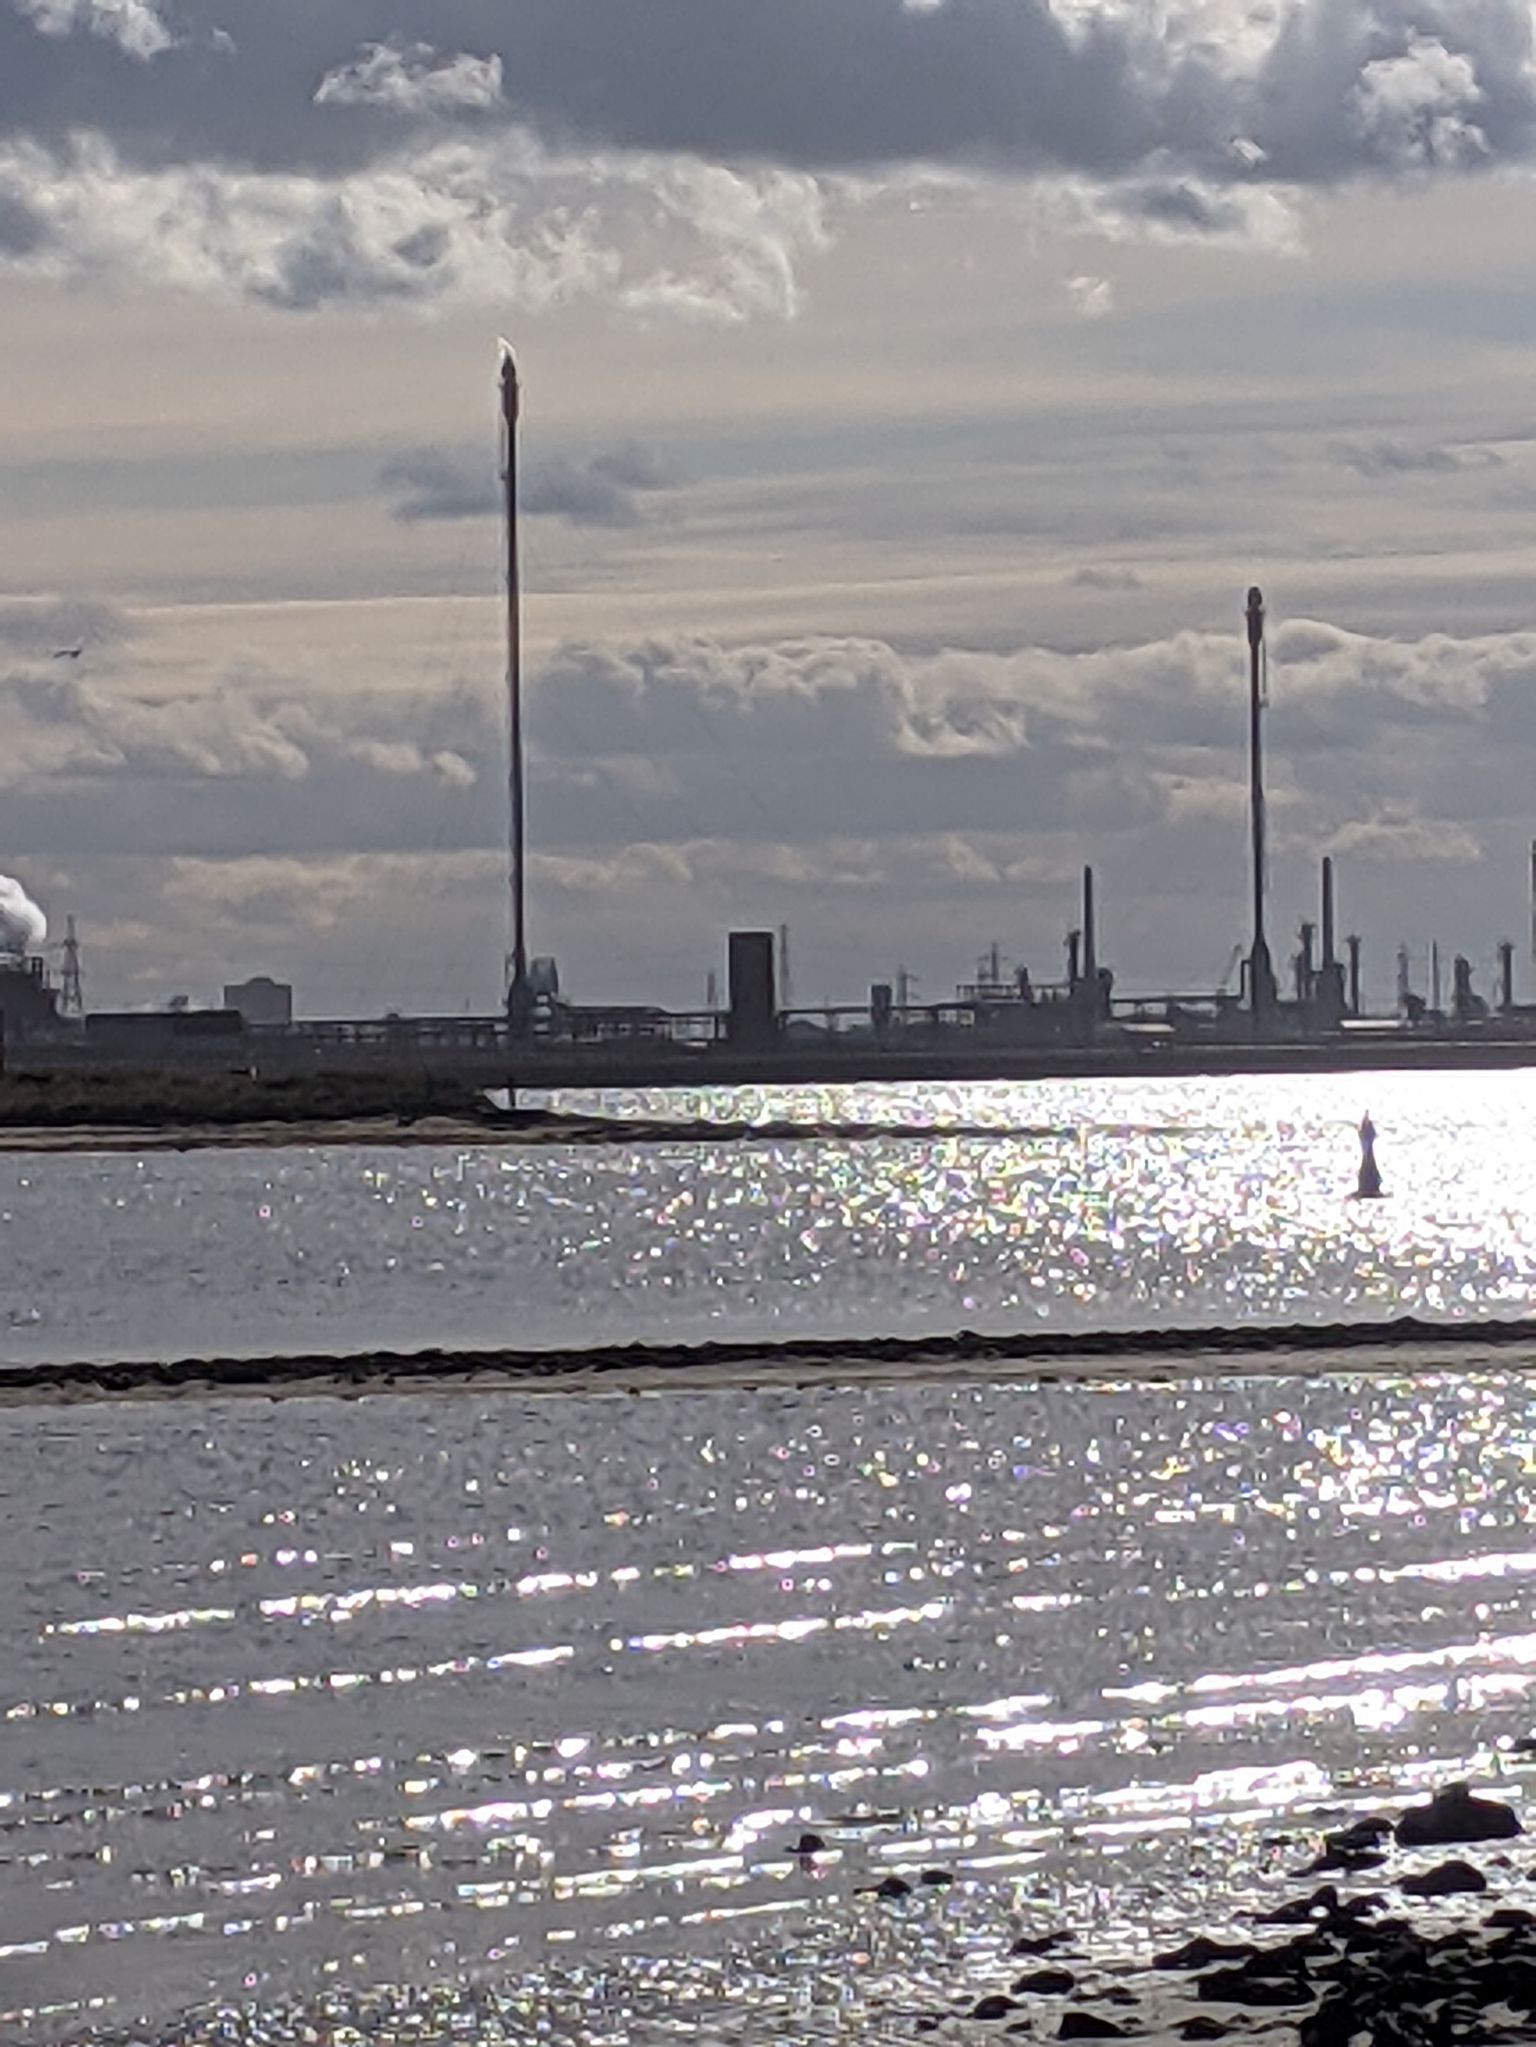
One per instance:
(1368, 1186)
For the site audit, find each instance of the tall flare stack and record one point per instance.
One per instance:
(1261, 972)
(517, 987)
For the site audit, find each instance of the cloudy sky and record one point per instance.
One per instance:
(912, 389)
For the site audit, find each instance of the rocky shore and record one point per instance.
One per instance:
(1403, 1946)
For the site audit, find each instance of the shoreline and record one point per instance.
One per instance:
(533, 1128)
(1150, 1356)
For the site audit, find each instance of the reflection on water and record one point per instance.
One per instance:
(495, 1720)
(1105, 1204)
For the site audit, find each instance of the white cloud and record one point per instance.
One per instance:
(412, 78)
(1396, 838)
(134, 25)
(1091, 298)
(497, 222)
(1414, 110)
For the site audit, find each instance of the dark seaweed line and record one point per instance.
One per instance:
(1077, 1351)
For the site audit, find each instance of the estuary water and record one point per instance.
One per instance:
(442, 1719)
(488, 1719)
(1111, 1204)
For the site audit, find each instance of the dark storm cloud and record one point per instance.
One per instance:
(284, 84)
(603, 490)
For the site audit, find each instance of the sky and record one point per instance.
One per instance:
(911, 391)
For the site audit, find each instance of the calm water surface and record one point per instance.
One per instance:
(1122, 1204)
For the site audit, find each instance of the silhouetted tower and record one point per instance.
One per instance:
(71, 990)
(786, 998)
(518, 1000)
(1261, 972)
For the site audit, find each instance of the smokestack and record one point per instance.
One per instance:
(1304, 965)
(1090, 932)
(1352, 945)
(1261, 972)
(1328, 953)
(1506, 976)
(1074, 941)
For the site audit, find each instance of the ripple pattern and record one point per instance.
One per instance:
(441, 1718)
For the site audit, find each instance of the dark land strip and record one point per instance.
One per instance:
(1405, 1343)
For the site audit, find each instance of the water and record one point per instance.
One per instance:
(1128, 1204)
(417, 1719)
(408, 1696)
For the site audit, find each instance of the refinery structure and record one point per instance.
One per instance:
(998, 1025)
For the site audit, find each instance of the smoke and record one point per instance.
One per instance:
(23, 927)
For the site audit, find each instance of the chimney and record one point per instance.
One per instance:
(1328, 954)
(1090, 935)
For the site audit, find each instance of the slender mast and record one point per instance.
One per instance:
(1261, 974)
(516, 992)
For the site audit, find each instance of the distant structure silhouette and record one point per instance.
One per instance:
(1368, 1186)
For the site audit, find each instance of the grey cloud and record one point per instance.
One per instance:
(1091, 578)
(21, 230)
(1399, 458)
(38, 628)
(915, 788)
(603, 490)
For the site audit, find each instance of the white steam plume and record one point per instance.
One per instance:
(23, 927)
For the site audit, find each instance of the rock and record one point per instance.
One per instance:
(809, 1844)
(1445, 1880)
(1456, 1814)
(937, 1878)
(1200, 1952)
(1296, 1911)
(1345, 1859)
(1363, 1833)
(1511, 1916)
(1045, 1983)
(1039, 1943)
(1237, 1986)
(995, 2007)
(1204, 2027)
(1087, 2025)
(893, 1887)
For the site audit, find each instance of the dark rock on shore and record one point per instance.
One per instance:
(808, 1844)
(1045, 1983)
(1039, 1943)
(1200, 1952)
(1454, 1815)
(1445, 1880)
(1087, 2025)
(995, 2007)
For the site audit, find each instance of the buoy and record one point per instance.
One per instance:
(1368, 1186)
